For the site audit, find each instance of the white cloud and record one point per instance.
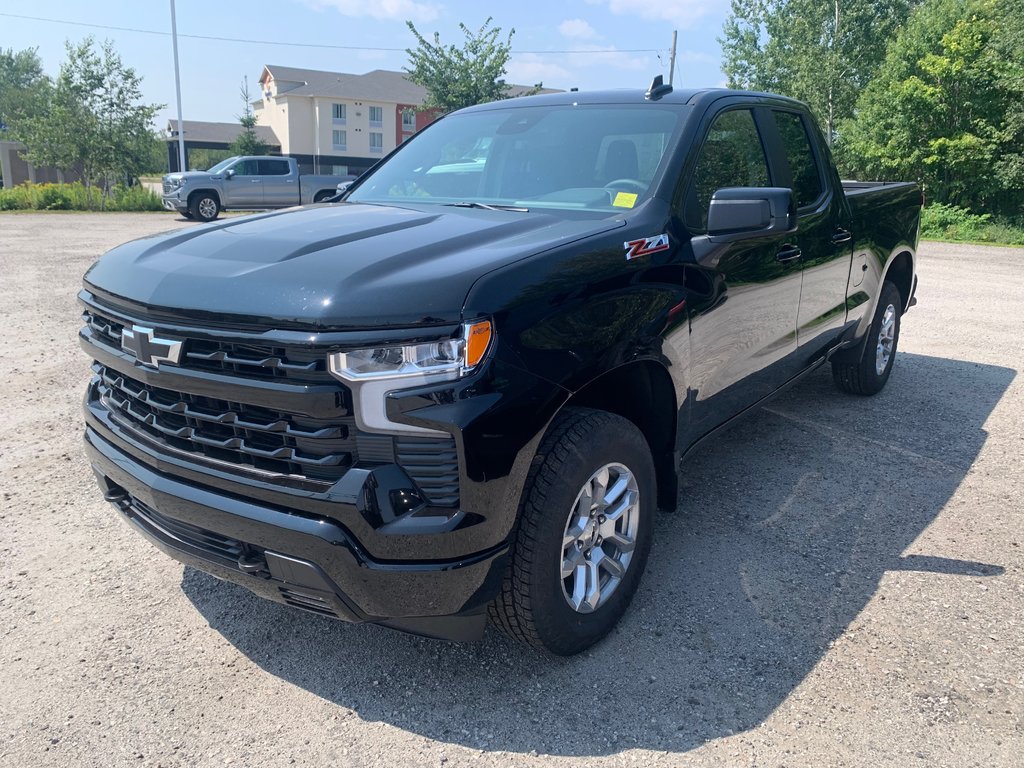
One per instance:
(578, 29)
(397, 10)
(683, 13)
(530, 68)
(606, 56)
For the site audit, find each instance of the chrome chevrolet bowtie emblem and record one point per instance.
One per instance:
(148, 349)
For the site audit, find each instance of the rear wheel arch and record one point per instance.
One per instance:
(900, 273)
(642, 392)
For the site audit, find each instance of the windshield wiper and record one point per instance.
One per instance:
(488, 206)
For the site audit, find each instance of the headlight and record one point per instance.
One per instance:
(176, 183)
(438, 360)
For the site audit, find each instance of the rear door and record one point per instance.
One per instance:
(280, 185)
(245, 187)
(823, 236)
(743, 311)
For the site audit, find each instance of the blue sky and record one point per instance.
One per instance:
(562, 44)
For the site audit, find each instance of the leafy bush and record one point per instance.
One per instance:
(950, 222)
(77, 197)
(52, 198)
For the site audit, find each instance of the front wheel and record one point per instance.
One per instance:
(204, 206)
(583, 534)
(869, 374)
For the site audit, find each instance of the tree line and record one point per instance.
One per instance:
(925, 90)
(90, 121)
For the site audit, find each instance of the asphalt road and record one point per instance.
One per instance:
(841, 585)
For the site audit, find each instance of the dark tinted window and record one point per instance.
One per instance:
(245, 168)
(273, 167)
(806, 179)
(732, 156)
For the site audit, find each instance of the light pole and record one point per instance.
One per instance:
(177, 90)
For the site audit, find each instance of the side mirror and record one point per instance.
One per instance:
(229, 173)
(738, 213)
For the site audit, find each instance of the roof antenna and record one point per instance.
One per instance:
(657, 89)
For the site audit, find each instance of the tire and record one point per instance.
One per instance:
(204, 206)
(538, 604)
(868, 373)
(186, 214)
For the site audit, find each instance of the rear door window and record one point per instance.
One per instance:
(803, 167)
(732, 156)
(273, 167)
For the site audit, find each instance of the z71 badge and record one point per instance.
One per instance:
(645, 246)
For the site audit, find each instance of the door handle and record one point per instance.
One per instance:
(788, 253)
(841, 236)
(255, 181)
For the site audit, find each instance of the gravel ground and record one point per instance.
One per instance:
(842, 583)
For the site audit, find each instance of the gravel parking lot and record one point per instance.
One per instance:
(842, 583)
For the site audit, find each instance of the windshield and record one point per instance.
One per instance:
(599, 158)
(222, 165)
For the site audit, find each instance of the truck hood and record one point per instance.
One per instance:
(188, 175)
(331, 267)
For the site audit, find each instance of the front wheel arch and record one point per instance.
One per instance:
(644, 393)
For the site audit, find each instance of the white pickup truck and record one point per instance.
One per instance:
(245, 183)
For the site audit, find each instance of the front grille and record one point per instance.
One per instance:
(248, 360)
(281, 442)
(268, 440)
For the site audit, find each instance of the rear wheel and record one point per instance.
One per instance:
(583, 535)
(204, 206)
(869, 374)
(321, 197)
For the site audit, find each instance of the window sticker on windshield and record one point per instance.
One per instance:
(625, 200)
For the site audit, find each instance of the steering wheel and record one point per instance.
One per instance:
(633, 184)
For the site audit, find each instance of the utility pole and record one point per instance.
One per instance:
(177, 90)
(672, 60)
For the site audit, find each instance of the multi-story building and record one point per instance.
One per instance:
(331, 122)
(334, 122)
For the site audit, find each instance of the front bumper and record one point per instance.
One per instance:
(300, 560)
(174, 202)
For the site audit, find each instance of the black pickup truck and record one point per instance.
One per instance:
(466, 388)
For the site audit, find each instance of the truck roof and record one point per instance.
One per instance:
(692, 96)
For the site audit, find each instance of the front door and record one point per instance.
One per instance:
(245, 187)
(743, 311)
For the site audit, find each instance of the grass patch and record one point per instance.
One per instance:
(77, 197)
(955, 224)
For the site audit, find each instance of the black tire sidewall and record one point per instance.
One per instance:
(562, 629)
(874, 380)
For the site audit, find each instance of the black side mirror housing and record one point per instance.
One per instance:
(738, 213)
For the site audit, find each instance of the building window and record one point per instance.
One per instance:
(376, 117)
(338, 113)
(408, 120)
(376, 142)
(339, 170)
(339, 139)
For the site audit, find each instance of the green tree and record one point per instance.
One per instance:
(94, 121)
(822, 53)
(461, 77)
(248, 142)
(945, 107)
(23, 86)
